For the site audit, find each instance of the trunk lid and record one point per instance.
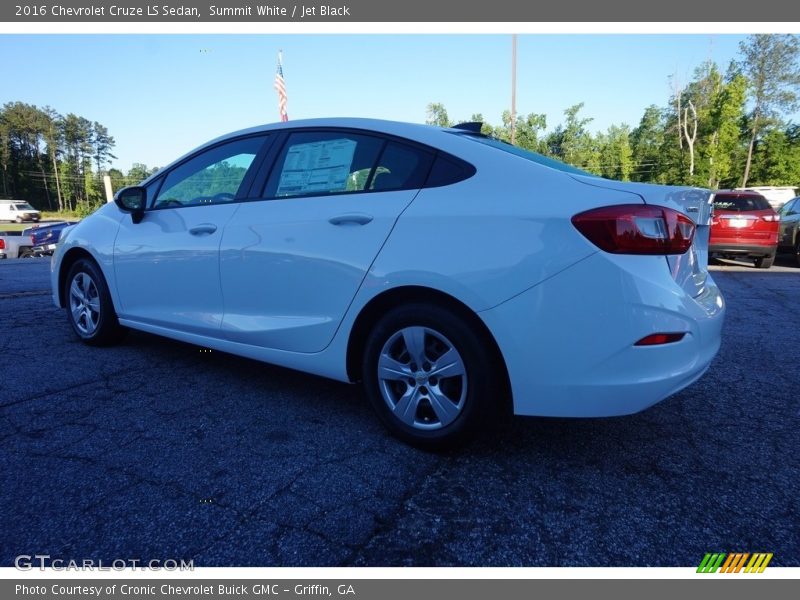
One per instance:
(689, 270)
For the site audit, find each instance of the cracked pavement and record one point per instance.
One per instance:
(155, 450)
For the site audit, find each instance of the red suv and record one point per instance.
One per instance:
(744, 225)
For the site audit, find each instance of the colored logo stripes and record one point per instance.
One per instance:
(733, 562)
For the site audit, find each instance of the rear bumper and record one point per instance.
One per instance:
(749, 249)
(569, 342)
(44, 249)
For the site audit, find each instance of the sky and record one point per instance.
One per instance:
(160, 95)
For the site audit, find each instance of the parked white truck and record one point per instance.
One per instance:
(19, 211)
(13, 244)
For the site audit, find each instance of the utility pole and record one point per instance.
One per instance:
(513, 87)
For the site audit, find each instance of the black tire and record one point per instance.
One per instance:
(90, 311)
(25, 252)
(19, 219)
(765, 262)
(434, 424)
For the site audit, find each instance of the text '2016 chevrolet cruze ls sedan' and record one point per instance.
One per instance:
(446, 270)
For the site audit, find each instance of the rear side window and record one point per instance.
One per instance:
(741, 203)
(448, 170)
(401, 167)
(316, 163)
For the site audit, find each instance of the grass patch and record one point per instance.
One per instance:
(14, 226)
(52, 217)
(60, 216)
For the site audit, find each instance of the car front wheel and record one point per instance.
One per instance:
(90, 310)
(428, 376)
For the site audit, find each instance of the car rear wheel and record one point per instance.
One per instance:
(765, 262)
(90, 310)
(427, 375)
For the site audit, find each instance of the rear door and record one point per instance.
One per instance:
(293, 258)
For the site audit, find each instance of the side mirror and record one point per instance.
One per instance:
(133, 200)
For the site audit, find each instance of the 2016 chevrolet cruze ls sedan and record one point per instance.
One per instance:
(446, 270)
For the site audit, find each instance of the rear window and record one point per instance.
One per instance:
(741, 203)
(527, 154)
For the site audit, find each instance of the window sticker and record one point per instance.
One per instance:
(317, 167)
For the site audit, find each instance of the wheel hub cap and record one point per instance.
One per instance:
(422, 378)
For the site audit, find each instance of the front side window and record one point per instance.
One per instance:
(789, 208)
(212, 177)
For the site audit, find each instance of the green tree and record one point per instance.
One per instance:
(437, 115)
(646, 143)
(573, 143)
(616, 154)
(770, 63)
(137, 173)
(727, 116)
(102, 144)
(777, 158)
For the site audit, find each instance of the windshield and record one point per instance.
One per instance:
(527, 154)
(23, 206)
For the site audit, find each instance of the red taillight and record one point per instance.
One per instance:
(660, 338)
(772, 218)
(2, 244)
(636, 229)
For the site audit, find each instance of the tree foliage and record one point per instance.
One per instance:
(57, 162)
(716, 131)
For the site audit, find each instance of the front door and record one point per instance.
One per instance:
(167, 266)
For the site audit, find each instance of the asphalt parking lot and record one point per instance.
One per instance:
(157, 450)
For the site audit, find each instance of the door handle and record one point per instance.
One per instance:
(203, 229)
(350, 219)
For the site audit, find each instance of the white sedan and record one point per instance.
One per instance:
(446, 270)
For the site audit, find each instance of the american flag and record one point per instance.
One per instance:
(280, 87)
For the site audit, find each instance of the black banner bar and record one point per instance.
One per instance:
(468, 11)
(731, 588)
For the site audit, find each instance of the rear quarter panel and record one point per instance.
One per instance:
(492, 236)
